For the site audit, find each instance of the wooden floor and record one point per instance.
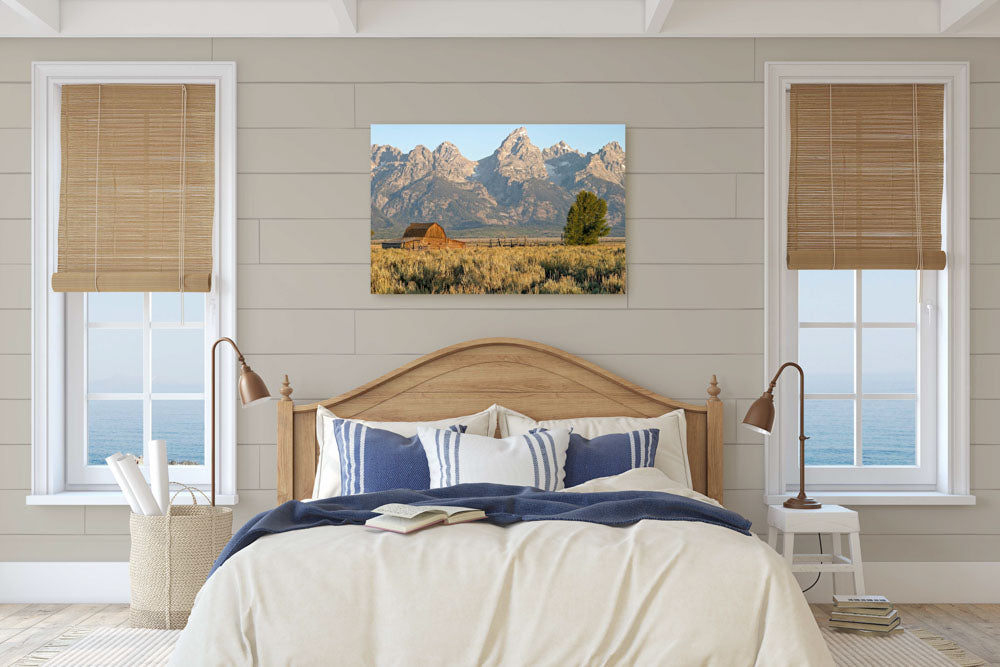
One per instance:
(26, 627)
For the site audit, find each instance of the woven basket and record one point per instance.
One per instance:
(170, 559)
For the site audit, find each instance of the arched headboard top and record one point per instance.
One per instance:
(541, 381)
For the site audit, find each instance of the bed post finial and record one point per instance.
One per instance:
(713, 449)
(713, 389)
(286, 442)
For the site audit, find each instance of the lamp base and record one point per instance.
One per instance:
(802, 504)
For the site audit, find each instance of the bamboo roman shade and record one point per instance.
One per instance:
(866, 176)
(137, 195)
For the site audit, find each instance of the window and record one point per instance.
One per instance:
(136, 372)
(113, 370)
(861, 337)
(885, 352)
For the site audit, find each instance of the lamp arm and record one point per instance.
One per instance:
(239, 355)
(802, 394)
(774, 380)
(802, 422)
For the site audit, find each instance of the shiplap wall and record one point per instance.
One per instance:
(694, 110)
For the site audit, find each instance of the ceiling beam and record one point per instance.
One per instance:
(44, 13)
(347, 14)
(958, 14)
(500, 18)
(656, 15)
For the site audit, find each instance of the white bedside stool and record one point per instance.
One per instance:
(832, 519)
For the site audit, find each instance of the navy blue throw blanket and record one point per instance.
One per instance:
(502, 503)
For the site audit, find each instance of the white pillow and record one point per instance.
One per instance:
(636, 479)
(639, 479)
(327, 482)
(671, 452)
(536, 459)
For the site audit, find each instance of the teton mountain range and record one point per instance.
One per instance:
(519, 189)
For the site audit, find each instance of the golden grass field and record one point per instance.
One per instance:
(552, 269)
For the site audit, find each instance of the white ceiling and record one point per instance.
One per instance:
(498, 18)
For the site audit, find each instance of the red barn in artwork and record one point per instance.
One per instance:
(424, 236)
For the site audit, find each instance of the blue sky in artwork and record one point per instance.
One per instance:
(477, 141)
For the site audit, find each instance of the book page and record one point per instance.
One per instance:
(398, 524)
(406, 511)
(450, 511)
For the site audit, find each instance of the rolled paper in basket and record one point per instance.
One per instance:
(158, 474)
(112, 462)
(147, 503)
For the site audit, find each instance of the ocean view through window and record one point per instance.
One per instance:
(145, 374)
(858, 341)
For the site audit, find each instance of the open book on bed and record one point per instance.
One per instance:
(401, 518)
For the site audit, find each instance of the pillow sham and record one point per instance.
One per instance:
(373, 459)
(640, 479)
(327, 483)
(671, 452)
(532, 459)
(610, 454)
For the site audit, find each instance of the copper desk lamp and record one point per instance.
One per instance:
(252, 390)
(760, 418)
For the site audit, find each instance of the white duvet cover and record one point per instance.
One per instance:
(538, 593)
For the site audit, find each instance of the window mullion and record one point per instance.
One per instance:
(147, 374)
(858, 389)
(84, 396)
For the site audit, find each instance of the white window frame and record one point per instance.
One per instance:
(949, 302)
(49, 309)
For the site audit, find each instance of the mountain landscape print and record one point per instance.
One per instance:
(498, 209)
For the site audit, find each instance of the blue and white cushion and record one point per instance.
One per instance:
(533, 459)
(610, 454)
(373, 459)
(671, 457)
(327, 483)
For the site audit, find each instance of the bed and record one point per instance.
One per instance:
(545, 592)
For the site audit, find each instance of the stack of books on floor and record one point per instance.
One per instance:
(864, 613)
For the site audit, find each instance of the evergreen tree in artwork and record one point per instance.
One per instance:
(586, 221)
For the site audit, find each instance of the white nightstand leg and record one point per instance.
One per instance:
(837, 551)
(788, 547)
(772, 537)
(854, 540)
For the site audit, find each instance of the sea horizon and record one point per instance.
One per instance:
(116, 426)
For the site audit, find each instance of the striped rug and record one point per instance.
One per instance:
(915, 648)
(100, 647)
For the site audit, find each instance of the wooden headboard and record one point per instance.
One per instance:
(540, 381)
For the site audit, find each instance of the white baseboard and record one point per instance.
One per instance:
(956, 582)
(63, 582)
(969, 582)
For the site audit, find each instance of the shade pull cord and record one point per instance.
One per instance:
(916, 184)
(793, 161)
(180, 240)
(833, 205)
(97, 182)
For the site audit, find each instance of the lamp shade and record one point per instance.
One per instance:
(760, 416)
(252, 387)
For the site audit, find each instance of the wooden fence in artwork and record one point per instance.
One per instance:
(518, 241)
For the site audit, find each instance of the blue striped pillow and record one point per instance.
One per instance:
(536, 459)
(372, 459)
(610, 454)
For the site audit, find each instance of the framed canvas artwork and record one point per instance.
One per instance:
(498, 209)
